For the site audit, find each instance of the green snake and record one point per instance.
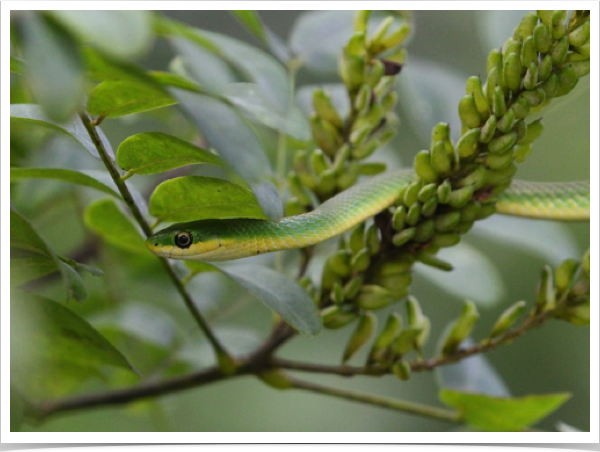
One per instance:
(219, 240)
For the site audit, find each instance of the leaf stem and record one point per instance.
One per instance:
(221, 353)
(384, 402)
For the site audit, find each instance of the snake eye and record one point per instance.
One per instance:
(183, 239)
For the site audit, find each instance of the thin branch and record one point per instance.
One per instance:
(384, 402)
(220, 351)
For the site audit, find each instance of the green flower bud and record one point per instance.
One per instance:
(372, 239)
(397, 284)
(401, 369)
(521, 128)
(411, 195)
(445, 240)
(545, 68)
(429, 207)
(525, 28)
(379, 35)
(427, 192)
(460, 329)
(297, 190)
(361, 19)
(403, 236)
(535, 97)
(467, 110)
(275, 378)
(363, 332)
(324, 134)
(365, 149)
(294, 207)
(399, 218)
(389, 101)
(302, 168)
(567, 79)
(471, 211)
(578, 314)
(488, 130)
(373, 297)
(324, 108)
(319, 161)
(352, 71)
(542, 38)
(357, 238)
(467, 145)
(458, 198)
(559, 52)
(475, 89)
(447, 221)
(507, 319)
(441, 132)
(444, 190)
(534, 130)
(565, 273)
(545, 17)
(529, 52)
(531, 77)
(476, 178)
(341, 157)
(494, 59)
(414, 213)
(424, 169)
(328, 279)
(406, 341)
(440, 160)
(502, 143)
(337, 293)
(363, 98)
(394, 61)
(352, 287)
(414, 311)
(376, 72)
(581, 67)
(497, 177)
(464, 226)
(349, 176)
(486, 211)
(584, 50)
(396, 266)
(494, 80)
(521, 152)
(550, 86)
(511, 46)
(512, 72)
(506, 122)
(356, 45)
(384, 87)
(334, 317)
(359, 135)
(499, 161)
(327, 182)
(499, 102)
(396, 37)
(521, 108)
(361, 260)
(339, 263)
(546, 297)
(559, 27)
(424, 232)
(372, 168)
(433, 261)
(580, 35)
(390, 332)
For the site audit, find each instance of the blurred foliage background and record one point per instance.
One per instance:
(136, 307)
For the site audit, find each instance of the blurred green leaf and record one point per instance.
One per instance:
(101, 67)
(280, 293)
(252, 103)
(252, 21)
(54, 67)
(16, 66)
(176, 80)
(33, 114)
(502, 414)
(17, 409)
(199, 267)
(65, 175)
(26, 266)
(114, 98)
(155, 152)
(49, 340)
(105, 219)
(474, 276)
(121, 34)
(78, 265)
(235, 142)
(192, 198)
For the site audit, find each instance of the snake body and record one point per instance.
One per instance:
(218, 240)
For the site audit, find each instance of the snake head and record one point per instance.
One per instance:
(196, 241)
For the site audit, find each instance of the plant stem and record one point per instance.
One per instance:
(385, 402)
(220, 351)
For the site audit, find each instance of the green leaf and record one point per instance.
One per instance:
(78, 265)
(475, 275)
(252, 103)
(199, 267)
(101, 67)
(65, 175)
(121, 34)
(75, 128)
(155, 152)
(54, 68)
(253, 22)
(26, 266)
(176, 80)
(50, 340)
(17, 66)
(501, 414)
(280, 293)
(239, 147)
(192, 198)
(105, 219)
(26, 244)
(114, 98)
